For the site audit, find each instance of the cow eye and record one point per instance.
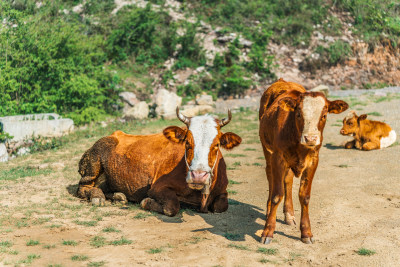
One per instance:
(323, 117)
(349, 123)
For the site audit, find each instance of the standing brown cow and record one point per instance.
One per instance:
(160, 170)
(291, 125)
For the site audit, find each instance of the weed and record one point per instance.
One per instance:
(236, 163)
(342, 166)
(250, 149)
(365, 252)
(111, 229)
(235, 155)
(142, 215)
(6, 244)
(232, 192)
(98, 241)
(69, 243)
(49, 246)
(375, 113)
(29, 259)
(233, 182)
(195, 240)
(22, 172)
(79, 258)
(240, 247)
(256, 164)
(260, 158)
(32, 242)
(96, 263)
(268, 251)
(86, 223)
(337, 125)
(121, 241)
(230, 236)
(154, 250)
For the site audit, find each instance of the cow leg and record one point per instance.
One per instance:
(370, 146)
(288, 204)
(220, 203)
(117, 197)
(350, 144)
(167, 200)
(268, 172)
(94, 194)
(276, 197)
(304, 197)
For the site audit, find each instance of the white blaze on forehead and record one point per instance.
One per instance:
(204, 130)
(312, 108)
(350, 115)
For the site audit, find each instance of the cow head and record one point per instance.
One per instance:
(351, 123)
(202, 138)
(310, 110)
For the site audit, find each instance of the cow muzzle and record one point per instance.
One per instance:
(310, 140)
(198, 179)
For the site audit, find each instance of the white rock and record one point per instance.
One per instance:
(23, 151)
(78, 8)
(191, 111)
(3, 153)
(139, 111)
(204, 100)
(129, 98)
(321, 88)
(166, 104)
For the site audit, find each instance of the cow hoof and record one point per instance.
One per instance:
(307, 240)
(120, 197)
(98, 202)
(266, 240)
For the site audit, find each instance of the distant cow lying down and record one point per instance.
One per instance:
(160, 170)
(367, 134)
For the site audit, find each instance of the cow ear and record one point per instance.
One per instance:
(362, 117)
(337, 106)
(230, 140)
(287, 103)
(175, 134)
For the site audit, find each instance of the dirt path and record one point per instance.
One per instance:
(355, 203)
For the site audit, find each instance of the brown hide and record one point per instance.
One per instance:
(142, 165)
(281, 126)
(367, 134)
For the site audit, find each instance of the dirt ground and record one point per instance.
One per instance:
(355, 204)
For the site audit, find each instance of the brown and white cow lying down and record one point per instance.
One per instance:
(291, 125)
(160, 170)
(367, 134)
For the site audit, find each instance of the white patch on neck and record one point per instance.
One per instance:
(388, 140)
(312, 108)
(204, 130)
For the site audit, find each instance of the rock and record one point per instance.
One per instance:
(166, 104)
(23, 127)
(3, 153)
(245, 43)
(23, 151)
(191, 110)
(321, 88)
(129, 98)
(138, 112)
(78, 8)
(204, 100)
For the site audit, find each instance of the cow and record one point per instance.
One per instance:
(160, 170)
(367, 134)
(291, 124)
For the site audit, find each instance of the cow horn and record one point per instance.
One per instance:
(182, 117)
(225, 121)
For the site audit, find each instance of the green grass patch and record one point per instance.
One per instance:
(232, 192)
(111, 229)
(375, 113)
(250, 149)
(233, 182)
(257, 164)
(86, 223)
(22, 172)
(96, 263)
(395, 144)
(79, 258)
(231, 236)
(6, 244)
(98, 241)
(267, 251)
(337, 125)
(365, 252)
(237, 163)
(69, 243)
(32, 242)
(155, 250)
(49, 246)
(235, 155)
(143, 215)
(120, 242)
(240, 247)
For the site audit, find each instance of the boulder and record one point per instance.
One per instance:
(192, 110)
(166, 104)
(129, 98)
(3, 153)
(139, 112)
(23, 127)
(204, 100)
(321, 88)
